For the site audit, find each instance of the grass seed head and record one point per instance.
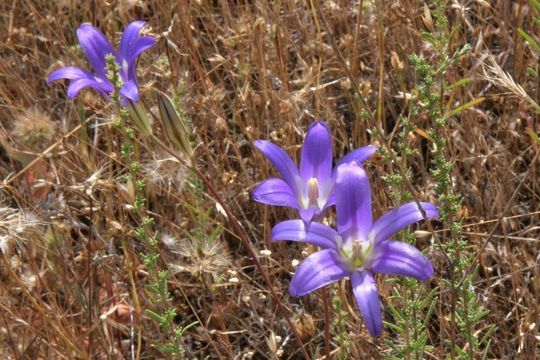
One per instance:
(166, 172)
(202, 256)
(34, 129)
(16, 226)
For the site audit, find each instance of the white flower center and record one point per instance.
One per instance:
(356, 254)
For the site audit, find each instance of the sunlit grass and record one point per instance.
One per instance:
(73, 283)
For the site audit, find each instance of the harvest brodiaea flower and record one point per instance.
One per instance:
(96, 48)
(309, 189)
(359, 247)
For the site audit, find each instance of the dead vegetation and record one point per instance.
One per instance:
(72, 285)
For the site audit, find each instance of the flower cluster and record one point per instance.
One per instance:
(360, 246)
(97, 49)
(309, 189)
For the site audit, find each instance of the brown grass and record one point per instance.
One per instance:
(246, 71)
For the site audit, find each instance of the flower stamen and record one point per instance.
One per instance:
(313, 192)
(357, 254)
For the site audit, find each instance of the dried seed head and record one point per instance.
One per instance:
(305, 325)
(5, 244)
(203, 256)
(166, 172)
(265, 253)
(16, 226)
(497, 76)
(427, 19)
(365, 88)
(272, 343)
(169, 241)
(397, 64)
(34, 129)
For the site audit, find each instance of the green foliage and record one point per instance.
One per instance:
(340, 338)
(532, 40)
(410, 318)
(160, 298)
(414, 311)
(465, 309)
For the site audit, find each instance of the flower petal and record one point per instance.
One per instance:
(311, 214)
(69, 72)
(314, 233)
(131, 46)
(142, 44)
(359, 155)
(367, 297)
(129, 37)
(399, 258)
(96, 47)
(331, 201)
(79, 84)
(317, 270)
(282, 162)
(316, 160)
(275, 192)
(130, 91)
(397, 219)
(353, 202)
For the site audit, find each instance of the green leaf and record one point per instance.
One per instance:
(535, 3)
(428, 37)
(461, 353)
(394, 327)
(429, 298)
(397, 315)
(487, 335)
(155, 316)
(466, 106)
(189, 326)
(529, 39)
(459, 83)
(485, 355)
(430, 312)
(480, 315)
(419, 344)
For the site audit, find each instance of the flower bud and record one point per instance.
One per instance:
(174, 126)
(139, 118)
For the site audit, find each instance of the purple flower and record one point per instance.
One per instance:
(96, 47)
(310, 189)
(359, 247)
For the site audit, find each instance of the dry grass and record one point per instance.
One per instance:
(246, 71)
